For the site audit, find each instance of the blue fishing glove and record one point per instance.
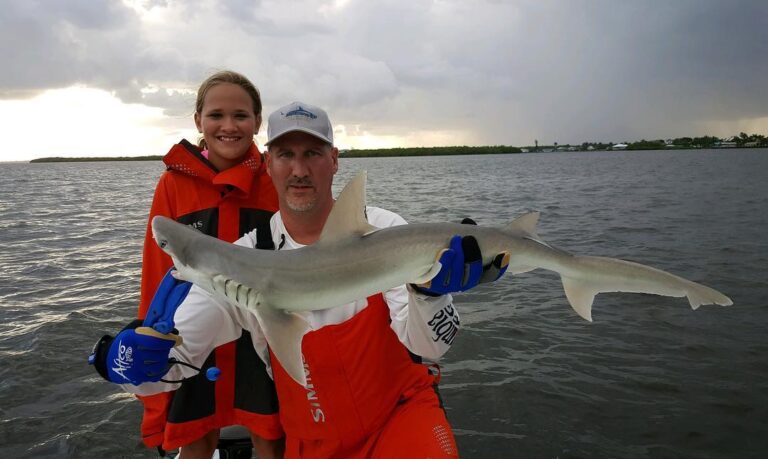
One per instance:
(140, 352)
(169, 295)
(462, 267)
(132, 357)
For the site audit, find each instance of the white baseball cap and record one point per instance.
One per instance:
(298, 116)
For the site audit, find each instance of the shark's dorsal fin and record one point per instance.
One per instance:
(348, 214)
(525, 225)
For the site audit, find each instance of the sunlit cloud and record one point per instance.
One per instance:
(80, 121)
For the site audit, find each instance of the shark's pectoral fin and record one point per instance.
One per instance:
(581, 296)
(284, 332)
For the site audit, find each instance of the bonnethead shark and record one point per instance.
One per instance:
(354, 260)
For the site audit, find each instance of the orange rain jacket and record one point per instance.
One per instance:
(225, 205)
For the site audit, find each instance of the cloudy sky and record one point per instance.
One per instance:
(118, 77)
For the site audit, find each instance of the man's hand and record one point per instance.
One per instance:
(139, 353)
(462, 268)
(137, 358)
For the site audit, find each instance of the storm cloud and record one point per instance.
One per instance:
(479, 72)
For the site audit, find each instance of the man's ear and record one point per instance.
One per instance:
(335, 155)
(268, 162)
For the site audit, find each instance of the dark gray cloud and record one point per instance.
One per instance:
(644, 68)
(53, 44)
(43, 42)
(500, 71)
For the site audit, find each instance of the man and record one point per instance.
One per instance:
(366, 395)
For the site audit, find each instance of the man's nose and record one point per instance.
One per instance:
(299, 167)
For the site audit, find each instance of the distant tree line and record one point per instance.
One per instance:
(431, 151)
(743, 140)
(59, 159)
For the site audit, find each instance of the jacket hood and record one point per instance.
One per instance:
(186, 158)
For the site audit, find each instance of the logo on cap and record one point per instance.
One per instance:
(300, 112)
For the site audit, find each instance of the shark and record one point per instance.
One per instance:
(353, 260)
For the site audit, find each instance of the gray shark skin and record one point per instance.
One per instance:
(354, 260)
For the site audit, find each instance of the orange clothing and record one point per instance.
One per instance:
(365, 396)
(226, 205)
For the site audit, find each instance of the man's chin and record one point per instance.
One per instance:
(301, 205)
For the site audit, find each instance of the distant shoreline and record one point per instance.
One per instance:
(59, 159)
(422, 151)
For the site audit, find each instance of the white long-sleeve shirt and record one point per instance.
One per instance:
(425, 325)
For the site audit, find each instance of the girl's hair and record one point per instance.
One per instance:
(227, 76)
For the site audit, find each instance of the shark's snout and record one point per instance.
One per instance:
(160, 226)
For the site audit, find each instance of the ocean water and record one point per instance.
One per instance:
(526, 376)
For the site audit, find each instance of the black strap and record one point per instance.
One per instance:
(264, 238)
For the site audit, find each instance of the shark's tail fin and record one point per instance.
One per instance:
(599, 275)
(701, 294)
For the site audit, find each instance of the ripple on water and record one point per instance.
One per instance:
(526, 376)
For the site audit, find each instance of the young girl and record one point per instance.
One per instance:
(220, 188)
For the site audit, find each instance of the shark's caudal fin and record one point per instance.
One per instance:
(348, 214)
(601, 275)
(701, 294)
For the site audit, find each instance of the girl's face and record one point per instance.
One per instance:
(228, 124)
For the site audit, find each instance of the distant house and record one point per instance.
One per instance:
(590, 148)
(751, 144)
(727, 143)
(619, 146)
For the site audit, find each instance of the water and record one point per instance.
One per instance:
(526, 376)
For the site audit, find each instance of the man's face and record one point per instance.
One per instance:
(302, 169)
